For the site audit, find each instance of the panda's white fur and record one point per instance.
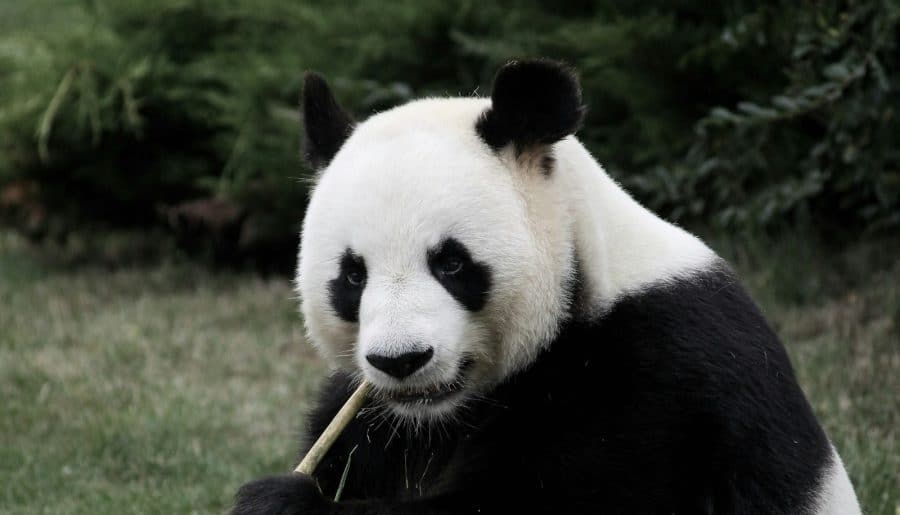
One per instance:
(625, 247)
(384, 196)
(408, 177)
(836, 495)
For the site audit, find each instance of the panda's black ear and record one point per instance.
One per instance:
(533, 102)
(326, 124)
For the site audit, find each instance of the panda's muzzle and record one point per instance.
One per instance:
(431, 394)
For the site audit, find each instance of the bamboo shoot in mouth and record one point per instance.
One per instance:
(347, 413)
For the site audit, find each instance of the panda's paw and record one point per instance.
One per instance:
(280, 495)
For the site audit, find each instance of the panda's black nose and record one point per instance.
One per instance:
(402, 365)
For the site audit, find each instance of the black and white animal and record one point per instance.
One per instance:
(538, 342)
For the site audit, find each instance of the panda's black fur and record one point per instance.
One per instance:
(680, 400)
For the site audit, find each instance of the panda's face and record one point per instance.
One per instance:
(429, 265)
(437, 246)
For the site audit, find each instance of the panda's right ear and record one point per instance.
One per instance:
(326, 124)
(534, 103)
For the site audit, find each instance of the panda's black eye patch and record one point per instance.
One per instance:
(467, 281)
(346, 289)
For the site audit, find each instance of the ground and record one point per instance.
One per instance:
(160, 386)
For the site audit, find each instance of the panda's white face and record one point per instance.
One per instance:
(431, 265)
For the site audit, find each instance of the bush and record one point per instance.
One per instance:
(821, 148)
(739, 115)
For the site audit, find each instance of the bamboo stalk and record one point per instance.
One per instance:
(329, 435)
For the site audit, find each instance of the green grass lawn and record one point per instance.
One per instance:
(160, 388)
(147, 389)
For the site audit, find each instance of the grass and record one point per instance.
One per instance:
(147, 389)
(160, 387)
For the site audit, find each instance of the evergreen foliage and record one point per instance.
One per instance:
(735, 114)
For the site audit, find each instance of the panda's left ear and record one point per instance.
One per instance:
(326, 125)
(533, 102)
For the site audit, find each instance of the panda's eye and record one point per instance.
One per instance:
(451, 265)
(355, 277)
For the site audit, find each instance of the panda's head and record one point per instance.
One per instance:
(437, 254)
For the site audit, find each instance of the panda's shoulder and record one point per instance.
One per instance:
(696, 347)
(683, 338)
(704, 314)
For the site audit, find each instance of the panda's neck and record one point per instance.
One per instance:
(621, 246)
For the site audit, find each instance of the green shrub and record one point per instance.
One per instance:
(733, 114)
(821, 149)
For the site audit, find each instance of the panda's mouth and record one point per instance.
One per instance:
(432, 394)
(428, 396)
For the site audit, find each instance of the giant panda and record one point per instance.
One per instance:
(537, 341)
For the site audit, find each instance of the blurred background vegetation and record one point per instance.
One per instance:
(141, 141)
(181, 114)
